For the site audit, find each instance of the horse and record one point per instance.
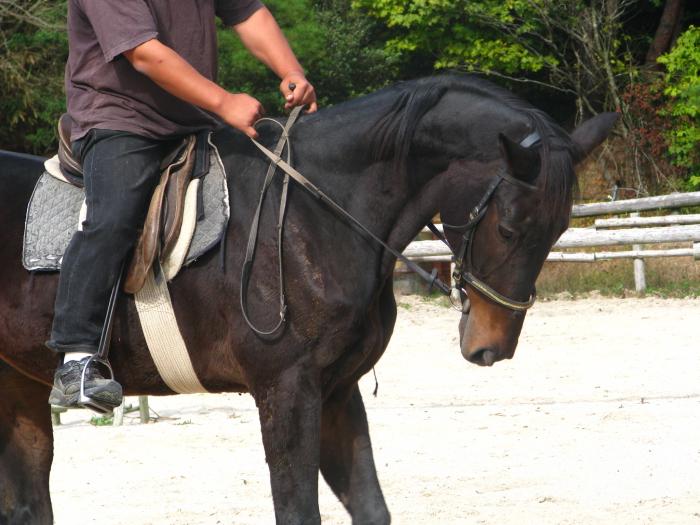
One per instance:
(393, 159)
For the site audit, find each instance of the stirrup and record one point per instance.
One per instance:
(86, 401)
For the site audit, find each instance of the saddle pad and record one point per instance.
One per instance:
(54, 209)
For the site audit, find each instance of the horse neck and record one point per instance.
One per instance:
(334, 147)
(468, 182)
(334, 150)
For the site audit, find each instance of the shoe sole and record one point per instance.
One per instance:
(110, 396)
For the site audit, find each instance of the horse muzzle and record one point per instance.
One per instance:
(488, 332)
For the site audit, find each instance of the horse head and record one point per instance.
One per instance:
(523, 204)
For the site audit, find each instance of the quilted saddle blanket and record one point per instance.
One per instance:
(54, 211)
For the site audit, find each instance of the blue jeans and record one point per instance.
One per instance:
(121, 171)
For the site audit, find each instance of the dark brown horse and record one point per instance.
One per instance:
(393, 159)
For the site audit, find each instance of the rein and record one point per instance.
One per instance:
(255, 227)
(462, 274)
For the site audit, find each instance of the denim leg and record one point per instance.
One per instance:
(121, 170)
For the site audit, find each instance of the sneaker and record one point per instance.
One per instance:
(66, 385)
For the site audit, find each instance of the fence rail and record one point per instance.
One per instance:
(673, 200)
(663, 220)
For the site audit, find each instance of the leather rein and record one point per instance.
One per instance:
(463, 275)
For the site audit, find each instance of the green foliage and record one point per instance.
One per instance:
(241, 72)
(334, 44)
(106, 420)
(683, 87)
(464, 34)
(31, 77)
(353, 60)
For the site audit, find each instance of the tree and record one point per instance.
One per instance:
(667, 32)
(569, 46)
(588, 52)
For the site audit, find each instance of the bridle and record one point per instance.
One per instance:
(463, 274)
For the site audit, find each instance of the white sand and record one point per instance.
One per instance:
(595, 421)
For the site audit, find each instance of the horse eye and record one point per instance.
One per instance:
(505, 232)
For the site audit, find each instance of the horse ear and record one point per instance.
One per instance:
(591, 133)
(523, 163)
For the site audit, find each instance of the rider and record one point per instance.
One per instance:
(140, 75)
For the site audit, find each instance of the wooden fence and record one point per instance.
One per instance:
(633, 231)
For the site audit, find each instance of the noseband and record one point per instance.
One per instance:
(463, 275)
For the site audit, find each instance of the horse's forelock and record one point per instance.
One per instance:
(557, 178)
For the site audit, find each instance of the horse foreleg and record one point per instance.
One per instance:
(290, 415)
(346, 458)
(26, 450)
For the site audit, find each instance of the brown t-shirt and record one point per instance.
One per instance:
(104, 91)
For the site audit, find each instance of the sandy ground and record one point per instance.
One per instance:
(595, 421)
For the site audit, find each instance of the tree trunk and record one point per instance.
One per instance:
(670, 19)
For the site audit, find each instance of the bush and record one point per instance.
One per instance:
(683, 87)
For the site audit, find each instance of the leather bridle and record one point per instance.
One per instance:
(463, 275)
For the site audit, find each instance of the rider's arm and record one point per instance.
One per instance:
(264, 39)
(176, 76)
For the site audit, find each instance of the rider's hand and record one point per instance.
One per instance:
(303, 93)
(241, 111)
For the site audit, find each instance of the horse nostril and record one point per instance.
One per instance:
(483, 357)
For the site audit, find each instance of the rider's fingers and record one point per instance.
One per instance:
(287, 88)
(303, 94)
(310, 99)
(260, 111)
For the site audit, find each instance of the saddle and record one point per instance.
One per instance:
(165, 212)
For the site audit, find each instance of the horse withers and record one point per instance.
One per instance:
(393, 159)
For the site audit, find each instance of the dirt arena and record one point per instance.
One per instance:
(595, 421)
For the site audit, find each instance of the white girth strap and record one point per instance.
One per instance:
(163, 336)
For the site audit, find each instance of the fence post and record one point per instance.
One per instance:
(118, 415)
(640, 281)
(56, 415)
(143, 409)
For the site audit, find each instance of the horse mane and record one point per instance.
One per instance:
(394, 131)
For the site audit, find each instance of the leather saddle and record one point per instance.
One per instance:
(164, 218)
